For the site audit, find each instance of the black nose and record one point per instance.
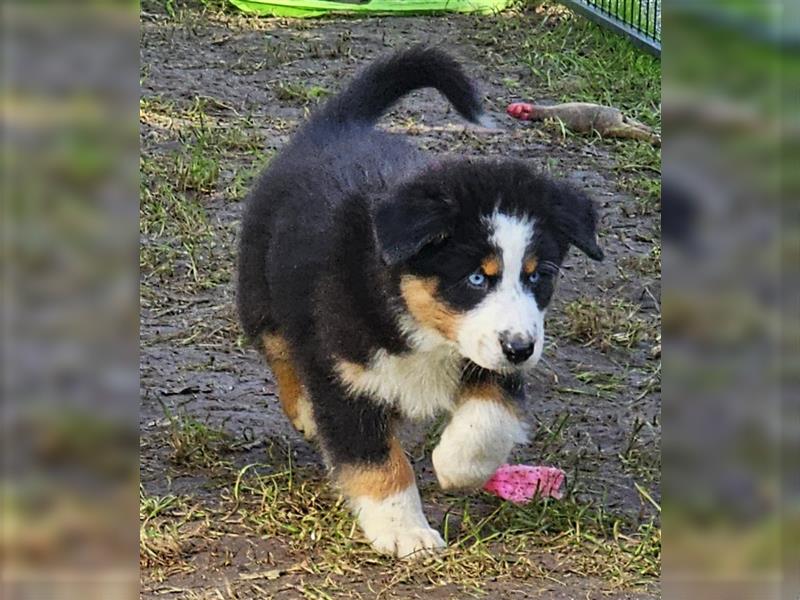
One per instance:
(516, 348)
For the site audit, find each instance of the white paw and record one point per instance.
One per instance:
(477, 440)
(457, 471)
(396, 525)
(408, 543)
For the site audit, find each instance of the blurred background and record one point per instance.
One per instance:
(69, 485)
(731, 487)
(731, 482)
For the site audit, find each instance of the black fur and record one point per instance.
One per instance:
(345, 210)
(384, 82)
(449, 204)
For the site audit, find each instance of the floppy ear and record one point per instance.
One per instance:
(411, 219)
(574, 214)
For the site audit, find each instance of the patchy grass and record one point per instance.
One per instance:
(341, 47)
(170, 529)
(602, 384)
(175, 9)
(206, 152)
(193, 443)
(196, 168)
(639, 173)
(550, 438)
(300, 94)
(163, 208)
(205, 122)
(487, 539)
(174, 225)
(616, 325)
(244, 177)
(638, 157)
(573, 60)
(640, 458)
(637, 265)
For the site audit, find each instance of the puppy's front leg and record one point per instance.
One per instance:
(479, 437)
(373, 473)
(385, 499)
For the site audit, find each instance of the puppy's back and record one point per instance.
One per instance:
(286, 226)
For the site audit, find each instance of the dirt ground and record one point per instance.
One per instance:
(220, 94)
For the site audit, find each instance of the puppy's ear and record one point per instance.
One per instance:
(574, 214)
(416, 216)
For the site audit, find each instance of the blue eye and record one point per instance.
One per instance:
(477, 279)
(533, 277)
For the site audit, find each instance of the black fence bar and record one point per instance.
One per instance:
(640, 20)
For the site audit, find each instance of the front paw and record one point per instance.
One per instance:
(458, 471)
(477, 440)
(396, 525)
(407, 543)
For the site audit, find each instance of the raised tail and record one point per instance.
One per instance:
(384, 82)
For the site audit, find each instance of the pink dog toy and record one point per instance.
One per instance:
(520, 483)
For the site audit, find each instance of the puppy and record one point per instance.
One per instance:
(382, 283)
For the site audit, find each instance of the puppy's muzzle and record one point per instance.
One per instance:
(516, 348)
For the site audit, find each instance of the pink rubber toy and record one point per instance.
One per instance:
(520, 483)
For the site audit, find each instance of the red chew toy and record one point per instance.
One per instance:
(521, 483)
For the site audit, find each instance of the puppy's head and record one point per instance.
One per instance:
(477, 246)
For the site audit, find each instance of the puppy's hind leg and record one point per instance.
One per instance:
(293, 395)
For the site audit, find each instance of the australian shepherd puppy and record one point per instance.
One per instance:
(382, 283)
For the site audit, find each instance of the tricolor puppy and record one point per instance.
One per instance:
(382, 283)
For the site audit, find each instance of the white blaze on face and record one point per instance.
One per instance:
(510, 307)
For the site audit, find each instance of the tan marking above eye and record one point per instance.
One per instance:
(530, 264)
(491, 266)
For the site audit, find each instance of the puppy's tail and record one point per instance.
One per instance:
(384, 82)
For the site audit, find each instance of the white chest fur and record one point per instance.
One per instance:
(420, 383)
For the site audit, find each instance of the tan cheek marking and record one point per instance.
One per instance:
(530, 265)
(290, 388)
(489, 392)
(420, 297)
(378, 481)
(491, 266)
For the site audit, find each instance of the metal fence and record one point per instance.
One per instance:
(640, 20)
